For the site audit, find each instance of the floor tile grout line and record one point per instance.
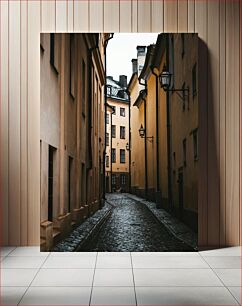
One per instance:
(33, 279)
(90, 298)
(118, 268)
(118, 286)
(220, 279)
(135, 296)
(14, 248)
(239, 302)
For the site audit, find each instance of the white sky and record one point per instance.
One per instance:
(122, 48)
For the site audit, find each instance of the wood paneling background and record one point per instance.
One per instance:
(218, 25)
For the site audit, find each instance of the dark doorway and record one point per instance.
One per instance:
(180, 192)
(107, 184)
(83, 183)
(50, 182)
(70, 160)
(117, 182)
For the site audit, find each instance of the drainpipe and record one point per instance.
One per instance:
(90, 110)
(128, 93)
(170, 200)
(111, 146)
(105, 115)
(146, 161)
(158, 195)
(145, 125)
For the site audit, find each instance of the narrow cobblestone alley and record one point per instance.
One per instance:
(132, 228)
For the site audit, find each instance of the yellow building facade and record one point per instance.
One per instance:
(72, 132)
(117, 136)
(164, 127)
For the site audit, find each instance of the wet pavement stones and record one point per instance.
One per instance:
(133, 227)
(175, 226)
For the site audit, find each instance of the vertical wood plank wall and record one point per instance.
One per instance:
(218, 26)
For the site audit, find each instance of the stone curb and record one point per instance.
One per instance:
(94, 230)
(84, 231)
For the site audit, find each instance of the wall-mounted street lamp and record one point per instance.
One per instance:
(165, 83)
(127, 146)
(142, 131)
(142, 134)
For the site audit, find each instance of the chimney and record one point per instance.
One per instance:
(123, 81)
(134, 65)
(141, 52)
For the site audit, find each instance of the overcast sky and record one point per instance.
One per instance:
(122, 48)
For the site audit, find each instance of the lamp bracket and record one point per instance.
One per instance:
(150, 139)
(184, 95)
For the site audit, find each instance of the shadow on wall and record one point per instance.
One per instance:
(209, 202)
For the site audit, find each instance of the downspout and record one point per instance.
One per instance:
(146, 161)
(128, 93)
(170, 200)
(105, 116)
(158, 191)
(89, 111)
(111, 160)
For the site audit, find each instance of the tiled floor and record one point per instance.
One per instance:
(29, 277)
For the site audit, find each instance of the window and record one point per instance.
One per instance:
(83, 89)
(195, 144)
(113, 155)
(194, 80)
(122, 111)
(122, 156)
(113, 179)
(72, 68)
(107, 161)
(184, 145)
(114, 110)
(108, 90)
(182, 45)
(174, 163)
(107, 118)
(123, 179)
(113, 131)
(122, 132)
(51, 169)
(107, 139)
(52, 49)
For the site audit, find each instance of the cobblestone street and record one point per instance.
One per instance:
(132, 227)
